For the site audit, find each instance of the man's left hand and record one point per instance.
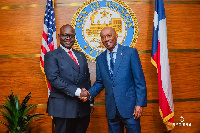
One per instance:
(137, 112)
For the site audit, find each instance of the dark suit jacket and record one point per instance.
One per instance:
(65, 77)
(128, 87)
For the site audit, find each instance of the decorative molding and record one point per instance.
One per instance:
(20, 56)
(148, 101)
(79, 4)
(139, 51)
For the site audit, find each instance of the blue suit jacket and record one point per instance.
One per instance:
(128, 87)
(65, 77)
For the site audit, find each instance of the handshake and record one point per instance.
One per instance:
(84, 95)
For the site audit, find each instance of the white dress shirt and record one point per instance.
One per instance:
(114, 55)
(66, 50)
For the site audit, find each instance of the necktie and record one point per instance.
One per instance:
(111, 64)
(71, 55)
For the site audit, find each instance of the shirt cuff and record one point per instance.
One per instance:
(78, 92)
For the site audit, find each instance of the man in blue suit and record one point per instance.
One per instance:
(119, 71)
(67, 72)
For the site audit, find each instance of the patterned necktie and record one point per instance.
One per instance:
(71, 55)
(111, 64)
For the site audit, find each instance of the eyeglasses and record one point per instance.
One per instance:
(71, 36)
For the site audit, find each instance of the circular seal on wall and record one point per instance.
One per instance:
(93, 16)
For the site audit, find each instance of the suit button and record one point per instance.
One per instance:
(113, 85)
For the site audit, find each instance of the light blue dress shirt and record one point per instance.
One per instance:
(114, 55)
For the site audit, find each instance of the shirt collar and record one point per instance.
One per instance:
(114, 50)
(66, 49)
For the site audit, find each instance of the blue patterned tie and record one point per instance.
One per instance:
(111, 64)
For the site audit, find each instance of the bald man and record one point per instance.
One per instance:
(119, 71)
(67, 72)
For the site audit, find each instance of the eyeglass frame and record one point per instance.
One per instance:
(71, 36)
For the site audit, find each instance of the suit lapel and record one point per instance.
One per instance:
(118, 61)
(68, 59)
(80, 60)
(105, 62)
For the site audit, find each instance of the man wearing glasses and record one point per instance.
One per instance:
(68, 74)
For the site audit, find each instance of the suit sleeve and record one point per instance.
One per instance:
(52, 73)
(139, 79)
(98, 84)
(88, 84)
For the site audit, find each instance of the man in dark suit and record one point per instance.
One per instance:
(119, 71)
(67, 72)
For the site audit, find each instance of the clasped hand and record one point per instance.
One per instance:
(85, 95)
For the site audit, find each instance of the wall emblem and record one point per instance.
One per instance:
(93, 16)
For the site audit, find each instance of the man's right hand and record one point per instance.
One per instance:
(85, 95)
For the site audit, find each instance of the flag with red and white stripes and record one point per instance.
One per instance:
(160, 60)
(49, 41)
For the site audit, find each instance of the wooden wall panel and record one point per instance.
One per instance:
(23, 75)
(144, 13)
(152, 122)
(21, 31)
(185, 81)
(28, 40)
(65, 16)
(185, 74)
(20, 2)
(183, 28)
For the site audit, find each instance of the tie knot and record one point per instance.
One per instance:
(111, 54)
(70, 52)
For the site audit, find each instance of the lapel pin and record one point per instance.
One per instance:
(121, 53)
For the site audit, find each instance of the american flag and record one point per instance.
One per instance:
(160, 60)
(49, 41)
